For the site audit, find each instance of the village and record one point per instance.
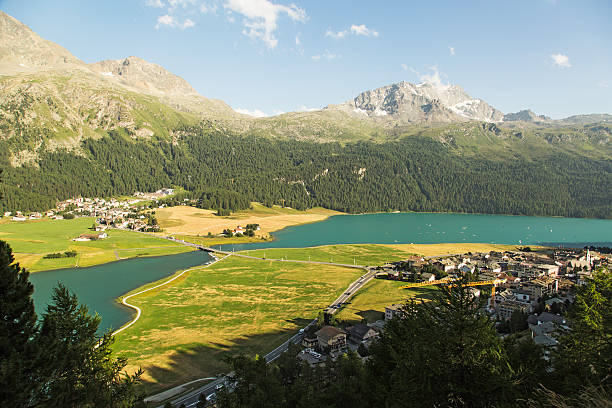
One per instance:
(109, 213)
(531, 290)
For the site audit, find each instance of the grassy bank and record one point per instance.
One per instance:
(32, 240)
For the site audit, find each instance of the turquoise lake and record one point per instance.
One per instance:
(434, 228)
(99, 286)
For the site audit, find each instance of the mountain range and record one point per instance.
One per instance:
(70, 100)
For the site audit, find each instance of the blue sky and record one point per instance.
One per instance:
(273, 56)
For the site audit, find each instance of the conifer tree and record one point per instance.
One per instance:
(80, 370)
(17, 329)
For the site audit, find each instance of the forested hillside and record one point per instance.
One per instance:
(416, 173)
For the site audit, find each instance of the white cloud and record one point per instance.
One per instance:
(297, 40)
(172, 4)
(354, 30)
(407, 68)
(561, 60)
(363, 30)
(433, 79)
(155, 3)
(603, 84)
(261, 16)
(170, 21)
(256, 113)
(451, 50)
(336, 34)
(208, 8)
(326, 55)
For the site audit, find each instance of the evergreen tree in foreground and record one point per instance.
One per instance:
(17, 329)
(584, 355)
(80, 370)
(442, 353)
(60, 362)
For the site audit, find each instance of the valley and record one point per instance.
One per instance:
(399, 243)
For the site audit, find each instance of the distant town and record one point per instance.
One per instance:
(532, 290)
(111, 212)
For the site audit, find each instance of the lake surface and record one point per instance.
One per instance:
(433, 228)
(99, 286)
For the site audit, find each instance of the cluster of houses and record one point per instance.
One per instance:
(527, 282)
(120, 214)
(164, 192)
(243, 231)
(537, 284)
(19, 216)
(332, 341)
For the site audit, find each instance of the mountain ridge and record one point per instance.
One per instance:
(58, 100)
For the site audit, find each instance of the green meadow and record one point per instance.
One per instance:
(237, 305)
(362, 254)
(31, 240)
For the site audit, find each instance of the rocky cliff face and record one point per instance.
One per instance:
(406, 103)
(143, 76)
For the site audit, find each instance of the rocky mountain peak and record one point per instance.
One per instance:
(432, 102)
(143, 76)
(22, 50)
(525, 115)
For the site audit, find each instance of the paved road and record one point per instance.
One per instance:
(191, 399)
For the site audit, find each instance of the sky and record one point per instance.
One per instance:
(265, 57)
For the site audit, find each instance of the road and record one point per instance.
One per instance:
(191, 398)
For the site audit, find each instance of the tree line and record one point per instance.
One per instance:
(412, 174)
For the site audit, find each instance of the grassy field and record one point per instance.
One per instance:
(237, 305)
(241, 305)
(185, 220)
(369, 303)
(354, 254)
(31, 240)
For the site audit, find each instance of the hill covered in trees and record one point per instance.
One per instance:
(478, 173)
